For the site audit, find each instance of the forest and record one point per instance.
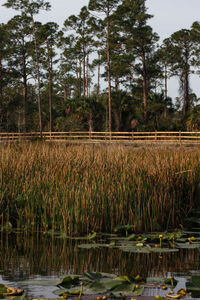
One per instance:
(104, 70)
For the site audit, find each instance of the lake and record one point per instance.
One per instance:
(28, 257)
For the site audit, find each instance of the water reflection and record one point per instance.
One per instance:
(25, 256)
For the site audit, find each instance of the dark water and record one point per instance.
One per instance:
(25, 257)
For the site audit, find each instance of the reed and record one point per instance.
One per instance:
(78, 189)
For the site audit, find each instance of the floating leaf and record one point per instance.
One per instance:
(89, 246)
(94, 288)
(188, 245)
(171, 281)
(68, 281)
(194, 286)
(92, 275)
(163, 250)
(132, 237)
(111, 284)
(128, 290)
(124, 289)
(138, 291)
(67, 292)
(107, 275)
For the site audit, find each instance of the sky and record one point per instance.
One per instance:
(169, 16)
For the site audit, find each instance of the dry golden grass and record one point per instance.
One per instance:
(78, 189)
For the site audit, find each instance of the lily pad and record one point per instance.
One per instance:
(193, 285)
(90, 246)
(67, 292)
(68, 281)
(128, 290)
(132, 237)
(163, 250)
(112, 284)
(94, 288)
(187, 245)
(171, 281)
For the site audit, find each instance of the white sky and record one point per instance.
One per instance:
(169, 16)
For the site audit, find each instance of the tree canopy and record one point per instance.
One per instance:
(104, 70)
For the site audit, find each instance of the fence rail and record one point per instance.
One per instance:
(157, 136)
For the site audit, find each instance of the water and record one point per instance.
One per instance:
(34, 257)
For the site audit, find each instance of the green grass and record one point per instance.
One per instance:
(78, 189)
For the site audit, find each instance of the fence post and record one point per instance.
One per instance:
(179, 135)
(110, 135)
(156, 135)
(132, 135)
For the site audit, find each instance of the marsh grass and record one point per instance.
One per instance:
(78, 189)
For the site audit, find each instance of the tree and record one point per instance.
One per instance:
(47, 36)
(31, 8)
(139, 39)
(81, 25)
(3, 55)
(107, 7)
(181, 47)
(19, 32)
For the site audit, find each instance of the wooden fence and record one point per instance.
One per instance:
(128, 137)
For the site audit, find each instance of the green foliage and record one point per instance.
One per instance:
(125, 53)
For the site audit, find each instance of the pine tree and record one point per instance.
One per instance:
(181, 48)
(107, 7)
(30, 8)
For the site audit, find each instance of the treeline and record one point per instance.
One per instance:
(52, 79)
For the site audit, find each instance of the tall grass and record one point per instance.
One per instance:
(83, 188)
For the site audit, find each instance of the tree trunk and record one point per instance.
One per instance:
(1, 79)
(90, 122)
(166, 85)
(84, 56)
(144, 84)
(80, 79)
(1, 93)
(87, 75)
(117, 116)
(186, 94)
(38, 76)
(24, 90)
(50, 71)
(108, 70)
(166, 91)
(99, 74)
